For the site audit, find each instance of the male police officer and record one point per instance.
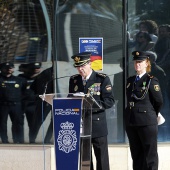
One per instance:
(12, 89)
(98, 85)
(30, 72)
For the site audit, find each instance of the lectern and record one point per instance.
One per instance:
(72, 122)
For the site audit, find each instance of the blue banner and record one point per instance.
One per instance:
(67, 117)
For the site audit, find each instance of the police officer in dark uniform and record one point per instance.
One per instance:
(39, 87)
(12, 90)
(144, 101)
(30, 72)
(98, 85)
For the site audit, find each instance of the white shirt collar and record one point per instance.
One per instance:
(141, 74)
(87, 76)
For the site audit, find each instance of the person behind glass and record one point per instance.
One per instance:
(151, 27)
(30, 72)
(101, 89)
(162, 47)
(12, 89)
(143, 42)
(144, 101)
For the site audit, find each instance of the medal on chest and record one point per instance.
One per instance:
(94, 89)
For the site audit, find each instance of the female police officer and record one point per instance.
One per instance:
(144, 101)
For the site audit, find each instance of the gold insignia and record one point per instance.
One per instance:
(76, 88)
(137, 53)
(156, 87)
(102, 75)
(128, 85)
(77, 59)
(108, 87)
(16, 85)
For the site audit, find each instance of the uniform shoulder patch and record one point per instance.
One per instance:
(73, 76)
(108, 88)
(102, 75)
(156, 87)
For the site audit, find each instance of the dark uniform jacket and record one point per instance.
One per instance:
(100, 87)
(144, 101)
(12, 89)
(45, 77)
(29, 99)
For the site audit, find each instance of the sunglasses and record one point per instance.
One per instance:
(141, 36)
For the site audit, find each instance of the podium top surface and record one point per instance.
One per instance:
(49, 97)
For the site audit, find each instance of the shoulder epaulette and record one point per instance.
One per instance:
(72, 77)
(102, 75)
(131, 77)
(150, 76)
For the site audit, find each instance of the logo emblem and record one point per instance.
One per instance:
(77, 59)
(156, 87)
(67, 137)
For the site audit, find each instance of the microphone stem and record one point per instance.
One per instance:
(43, 98)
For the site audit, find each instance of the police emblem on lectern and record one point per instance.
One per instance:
(67, 137)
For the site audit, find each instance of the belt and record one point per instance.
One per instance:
(131, 104)
(138, 105)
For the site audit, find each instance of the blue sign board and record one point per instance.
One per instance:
(67, 117)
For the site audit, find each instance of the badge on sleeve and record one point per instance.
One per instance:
(16, 85)
(76, 88)
(108, 88)
(156, 87)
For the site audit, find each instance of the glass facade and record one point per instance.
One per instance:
(93, 19)
(53, 37)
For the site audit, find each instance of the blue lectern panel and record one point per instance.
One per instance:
(67, 115)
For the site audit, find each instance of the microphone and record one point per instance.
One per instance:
(46, 85)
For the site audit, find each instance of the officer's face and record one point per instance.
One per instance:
(84, 70)
(163, 32)
(7, 70)
(143, 27)
(140, 66)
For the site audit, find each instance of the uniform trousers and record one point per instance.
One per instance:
(41, 112)
(143, 146)
(29, 113)
(100, 147)
(17, 118)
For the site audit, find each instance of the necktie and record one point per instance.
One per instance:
(84, 82)
(137, 78)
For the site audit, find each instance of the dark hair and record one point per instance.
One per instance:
(152, 26)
